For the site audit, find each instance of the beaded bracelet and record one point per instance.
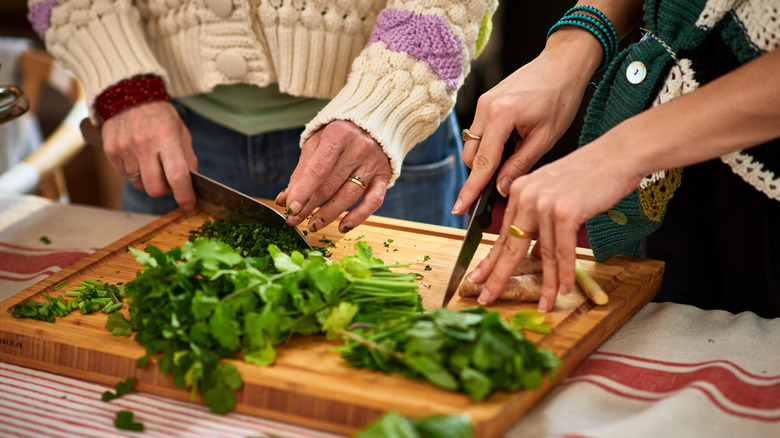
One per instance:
(129, 93)
(611, 43)
(599, 26)
(600, 15)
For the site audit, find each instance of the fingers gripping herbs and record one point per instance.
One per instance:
(201, 302)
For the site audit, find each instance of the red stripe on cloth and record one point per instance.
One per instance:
(634, 396)
(35, 433)
(688, 365)
(100, 411)
(150, 409)
(711, 378)
(20, 263)
(53, 426)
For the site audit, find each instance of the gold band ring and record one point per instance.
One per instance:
(134, 177)
(517, 232)
(466, 135)
(359, 181)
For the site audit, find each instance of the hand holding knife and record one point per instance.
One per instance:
(481, 218)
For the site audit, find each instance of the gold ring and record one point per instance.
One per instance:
(134, 177)
(466, 135)
(359, 181)
(517, 232)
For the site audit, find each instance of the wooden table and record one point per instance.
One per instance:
(663, 359)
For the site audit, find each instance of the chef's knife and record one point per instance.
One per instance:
(220, 199)
(481, 218)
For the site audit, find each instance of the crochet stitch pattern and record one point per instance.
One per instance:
(708, 41)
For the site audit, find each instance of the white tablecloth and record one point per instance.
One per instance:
(672, 371)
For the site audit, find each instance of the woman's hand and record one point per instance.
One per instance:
(333, 162)
(539, 100)
(556, 200)
(149, 146)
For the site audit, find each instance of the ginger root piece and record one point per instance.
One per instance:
(526, 287)
(525, 284)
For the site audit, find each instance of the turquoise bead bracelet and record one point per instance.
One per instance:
(599, 26)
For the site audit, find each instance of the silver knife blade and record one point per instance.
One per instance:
(219, 199)
(481, 218)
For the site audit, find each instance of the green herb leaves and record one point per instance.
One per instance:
(124, 421)
(122, 388)
(396, 425)
(201, 302)
(472, 351)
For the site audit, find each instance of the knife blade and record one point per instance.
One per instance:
(481, 218)
(219, 199)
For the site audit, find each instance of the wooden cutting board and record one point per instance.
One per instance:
(309, 385)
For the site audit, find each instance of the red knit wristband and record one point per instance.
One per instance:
(129, 93)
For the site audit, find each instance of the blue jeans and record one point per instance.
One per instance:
(261, 166)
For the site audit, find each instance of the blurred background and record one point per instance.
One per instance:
(519, 32)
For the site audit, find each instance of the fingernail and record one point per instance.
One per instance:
(503, 187)
(276, 200)
(475, 273)
(295, 208)
(484, 296)
(542, 305)
(456, 208)
(562, 290)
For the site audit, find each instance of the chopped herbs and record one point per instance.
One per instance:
(387, 243)
(146, 239)
(124, 421)
(248, 239)
(45, 240)
(428, 267)
(122, 388)
(88, 296)
(426, 258)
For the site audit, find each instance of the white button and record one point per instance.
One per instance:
(636, 72)
(222, 8)
(231, 64)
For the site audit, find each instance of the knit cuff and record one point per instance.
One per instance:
(102, 43)
(128, 94)
(398, 102)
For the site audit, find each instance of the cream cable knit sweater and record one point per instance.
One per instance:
(393, 67)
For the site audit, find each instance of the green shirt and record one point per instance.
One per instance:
(253, 110)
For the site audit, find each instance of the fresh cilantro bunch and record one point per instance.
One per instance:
(201, 302)
(472, 351)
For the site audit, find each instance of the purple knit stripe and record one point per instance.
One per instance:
(425, 37)
(39, 16)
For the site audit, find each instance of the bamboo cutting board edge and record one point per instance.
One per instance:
(491, 418)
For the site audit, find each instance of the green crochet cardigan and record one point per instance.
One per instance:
(688, 43)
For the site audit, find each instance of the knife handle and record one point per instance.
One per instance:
(483, 208)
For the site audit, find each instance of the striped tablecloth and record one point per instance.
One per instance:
(672, 371)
